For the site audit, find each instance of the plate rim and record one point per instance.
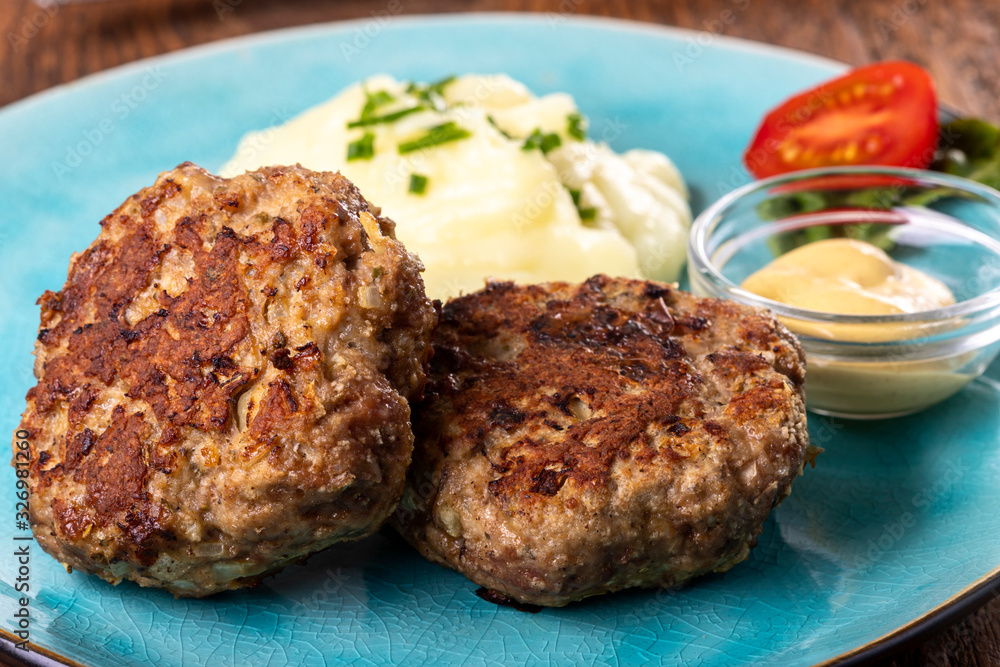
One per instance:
(35, 656)
(948, 612)
(953, 610)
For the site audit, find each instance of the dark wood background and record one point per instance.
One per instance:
(958, 41)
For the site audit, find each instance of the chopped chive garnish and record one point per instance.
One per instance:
(543, 142)
(387, 118)
(426, 90)
(377, 272)
(576, 126)
(586, 213)
(418, 184)
(534, 140)
(435, 136)
(431, 94)
(380, 98)
(362, 149)
(374, 101)
(439, 85)
(499, 129)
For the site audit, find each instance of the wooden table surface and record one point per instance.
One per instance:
(959, 41)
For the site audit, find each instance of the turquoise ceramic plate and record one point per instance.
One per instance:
(895, 529)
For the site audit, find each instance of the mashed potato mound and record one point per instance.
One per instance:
(485, 179)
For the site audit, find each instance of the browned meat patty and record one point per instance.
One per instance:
(581, 439)
(223, 381)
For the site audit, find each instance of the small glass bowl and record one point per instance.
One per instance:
(868, 366)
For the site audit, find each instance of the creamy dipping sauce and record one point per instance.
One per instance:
(850, 277)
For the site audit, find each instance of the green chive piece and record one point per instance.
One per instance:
(549, 142)
(387, 118)
(431, 93)
(543, 142)
(437, 135)
(377, 272)
(439, 85)
(499, 129)
(586, 213)
(576, 126)
(423, 90)
(374, 101)
(418, 184)
(362, 149)
(534, 140)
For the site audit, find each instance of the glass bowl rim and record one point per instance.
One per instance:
(700, 262)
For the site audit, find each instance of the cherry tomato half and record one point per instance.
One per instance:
(882, 114)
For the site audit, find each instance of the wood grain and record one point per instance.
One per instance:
(958, 41)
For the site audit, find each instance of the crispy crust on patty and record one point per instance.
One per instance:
(223, 380)
(580, 439)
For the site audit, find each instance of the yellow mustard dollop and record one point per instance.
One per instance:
(850, 277)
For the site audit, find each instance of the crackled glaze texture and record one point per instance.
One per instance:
(896, 518)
